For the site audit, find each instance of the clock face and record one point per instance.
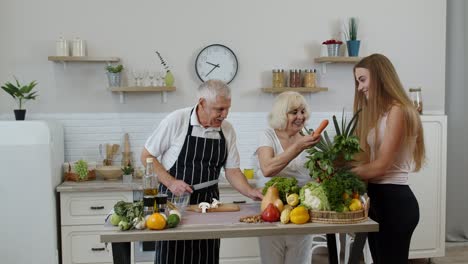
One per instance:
(216, 62)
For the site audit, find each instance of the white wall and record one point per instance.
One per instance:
(265, 34)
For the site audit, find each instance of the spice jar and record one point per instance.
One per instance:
(276, 79)
(309, 78)
(416, 98)
(292, 78)
(298, 78)
(281, 77)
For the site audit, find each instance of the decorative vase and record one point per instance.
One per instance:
(114, 79)
(20, 114)
(127, 178)
(169, 79)
(353, 47)
(333, 50)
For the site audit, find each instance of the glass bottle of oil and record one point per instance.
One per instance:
(150, 181)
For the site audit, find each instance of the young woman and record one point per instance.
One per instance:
(281, 153)
(391, 135)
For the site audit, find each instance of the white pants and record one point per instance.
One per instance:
(286, 249)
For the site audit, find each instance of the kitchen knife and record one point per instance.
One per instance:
(203, 185)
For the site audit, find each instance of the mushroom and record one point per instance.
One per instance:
(204, 206)
(215, 203)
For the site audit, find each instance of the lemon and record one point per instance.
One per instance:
(156, 221)
(299, 215)
(355, 205)
(292, 199)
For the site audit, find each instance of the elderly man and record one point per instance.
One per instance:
(189, 147)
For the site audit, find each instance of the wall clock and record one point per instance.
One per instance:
(216, 61)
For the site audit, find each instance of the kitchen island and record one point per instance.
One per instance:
(227, 225)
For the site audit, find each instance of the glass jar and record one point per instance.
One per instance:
(298, 78)
(309, 78)
(416, 98)
(281, 77)
(292, 78)
(276, 79)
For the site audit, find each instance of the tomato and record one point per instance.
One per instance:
(271, 213)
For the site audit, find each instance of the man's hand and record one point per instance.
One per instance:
(179, 187)
(255, 194)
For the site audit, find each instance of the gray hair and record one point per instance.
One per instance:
(284, 103)
(210, 89)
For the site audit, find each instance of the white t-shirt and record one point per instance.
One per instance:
(167, 140)
(294, 169)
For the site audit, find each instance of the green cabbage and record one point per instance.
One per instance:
(313, 196)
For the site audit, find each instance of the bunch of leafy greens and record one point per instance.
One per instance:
(327, 163)
(285, 186)
(314, 197)
(335, 188)
(127, 212)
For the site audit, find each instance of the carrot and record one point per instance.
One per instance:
(321, 127)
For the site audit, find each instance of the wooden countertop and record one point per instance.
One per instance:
(111, 186)
(227, 225)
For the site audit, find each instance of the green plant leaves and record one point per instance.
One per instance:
(20, 92)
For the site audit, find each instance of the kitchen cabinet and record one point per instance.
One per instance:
(429, 186)
(82, 221)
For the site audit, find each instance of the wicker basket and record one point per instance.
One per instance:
(70, 175)
(332, 217)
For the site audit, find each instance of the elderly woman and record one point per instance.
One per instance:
(281, 153)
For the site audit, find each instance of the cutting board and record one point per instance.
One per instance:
(229, 207)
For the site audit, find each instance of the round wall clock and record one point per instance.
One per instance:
(216, 62)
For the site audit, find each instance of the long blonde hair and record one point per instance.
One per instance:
(385, 90)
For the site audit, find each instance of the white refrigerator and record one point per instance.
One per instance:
(31, 155)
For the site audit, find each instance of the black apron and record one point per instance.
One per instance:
(200, 160)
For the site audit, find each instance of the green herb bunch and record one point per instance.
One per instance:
(284, 185)
(114, 69)
(352, 29)
(163, 62)
(20, 92)
(327, 162)
(81, 168)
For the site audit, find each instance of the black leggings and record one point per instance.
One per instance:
(396, 210)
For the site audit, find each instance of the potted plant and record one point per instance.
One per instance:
(127, 174)
(333, 47)
(21, 93)
(114, 75)
(169, 78)
(351, 35)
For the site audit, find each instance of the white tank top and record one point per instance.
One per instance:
(403, 163)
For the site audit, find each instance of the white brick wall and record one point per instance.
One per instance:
(84, 132)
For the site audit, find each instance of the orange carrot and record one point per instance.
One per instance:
(321, 127)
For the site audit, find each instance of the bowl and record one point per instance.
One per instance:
(181, 202)
(109, 172)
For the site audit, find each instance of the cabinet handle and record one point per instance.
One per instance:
(97, 207)
(98, 249)
(237, 202)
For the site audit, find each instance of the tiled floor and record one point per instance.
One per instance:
(455, 253)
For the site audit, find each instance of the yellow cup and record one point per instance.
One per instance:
(249, 173)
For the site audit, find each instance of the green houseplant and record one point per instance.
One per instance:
(169, 78)
(351, 35)
(114, 75)
(21, 93)
(127, 174)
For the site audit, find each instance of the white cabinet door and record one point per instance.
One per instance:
(81, 244)
(429, 186)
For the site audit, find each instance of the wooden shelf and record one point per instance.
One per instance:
(143, 89)
(82, 59)
(295, 89)
(337, 59)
